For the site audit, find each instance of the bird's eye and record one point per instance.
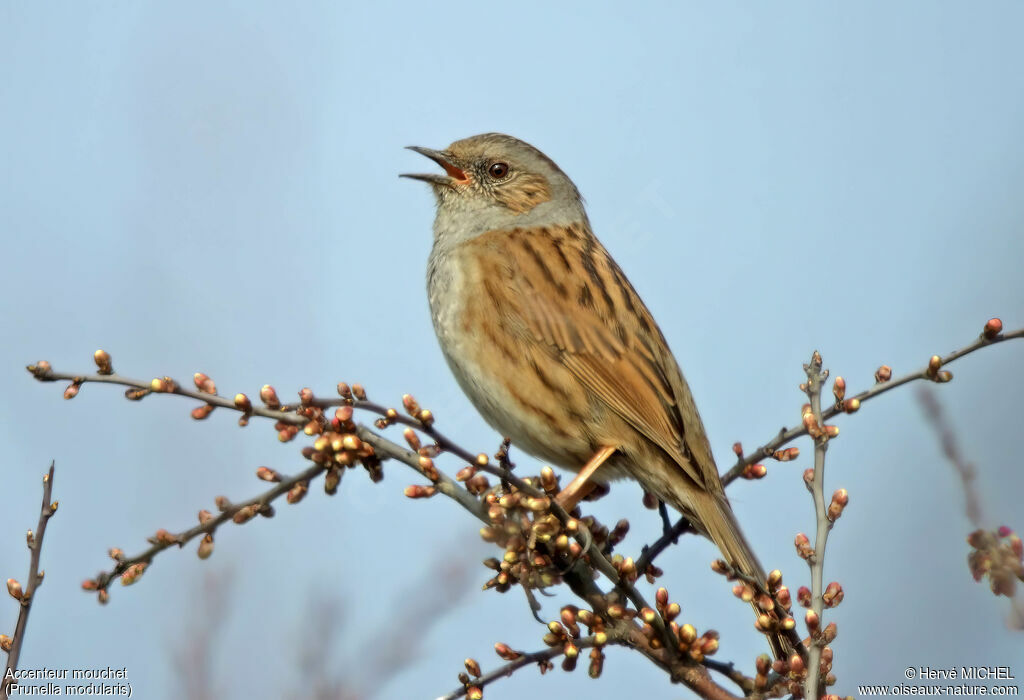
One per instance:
(498, 170)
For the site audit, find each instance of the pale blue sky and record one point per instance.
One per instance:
(213, 187)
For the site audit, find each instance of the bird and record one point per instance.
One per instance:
(552, 344)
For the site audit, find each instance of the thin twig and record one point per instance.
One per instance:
(35, 577)
(815, 380)
(103, 580)
(964, 469)
(516, 664)
(967, 473)
(786, 436)
(667, 538)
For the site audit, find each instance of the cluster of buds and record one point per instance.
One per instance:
(626, 568)
(832, 596)
(531, 536)
(779, 591)
(814, 429)
(565, 632)
(426, 457)
(130, 572)
(286, 431)
(476, 482)
(934, 371)
(689, 642)
(844, 404)
(101, 593)
(998, 556)
(772, 607)
(205, 385)
(205, 517)
(793, 672)
(351, 394)
(685, 636)
(423, 415)
(818, 634)
(338, 446)
(790, 675)
(536, 542)
(469, 677)
(754, 471)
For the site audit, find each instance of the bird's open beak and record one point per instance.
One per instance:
(454, 172)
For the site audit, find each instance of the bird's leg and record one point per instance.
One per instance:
(667, 528)
(581, 486)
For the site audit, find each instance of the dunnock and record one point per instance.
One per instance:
(551, 342)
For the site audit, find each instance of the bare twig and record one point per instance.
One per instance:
(786, 436)
(26, 595)
(524, 659)
(667, 538)
(196, 649)
(208, 526)
(699, 681)
(815, 380)
(972, 499)
(964, 469)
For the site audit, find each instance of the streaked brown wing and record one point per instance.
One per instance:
(564, 290)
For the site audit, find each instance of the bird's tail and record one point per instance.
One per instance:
(720, 525)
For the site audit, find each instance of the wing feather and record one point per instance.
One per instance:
(601, 332)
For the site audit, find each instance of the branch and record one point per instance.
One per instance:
(667, 538)
(653, 638)
(472, 687)
(131, 568)
(35, 577)
(996, 555)
(520, 660)
(786, 436)
(550, 544)
(951, 449)
(814, 425)
(286, 414)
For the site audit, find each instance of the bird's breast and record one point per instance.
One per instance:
(495, 366)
